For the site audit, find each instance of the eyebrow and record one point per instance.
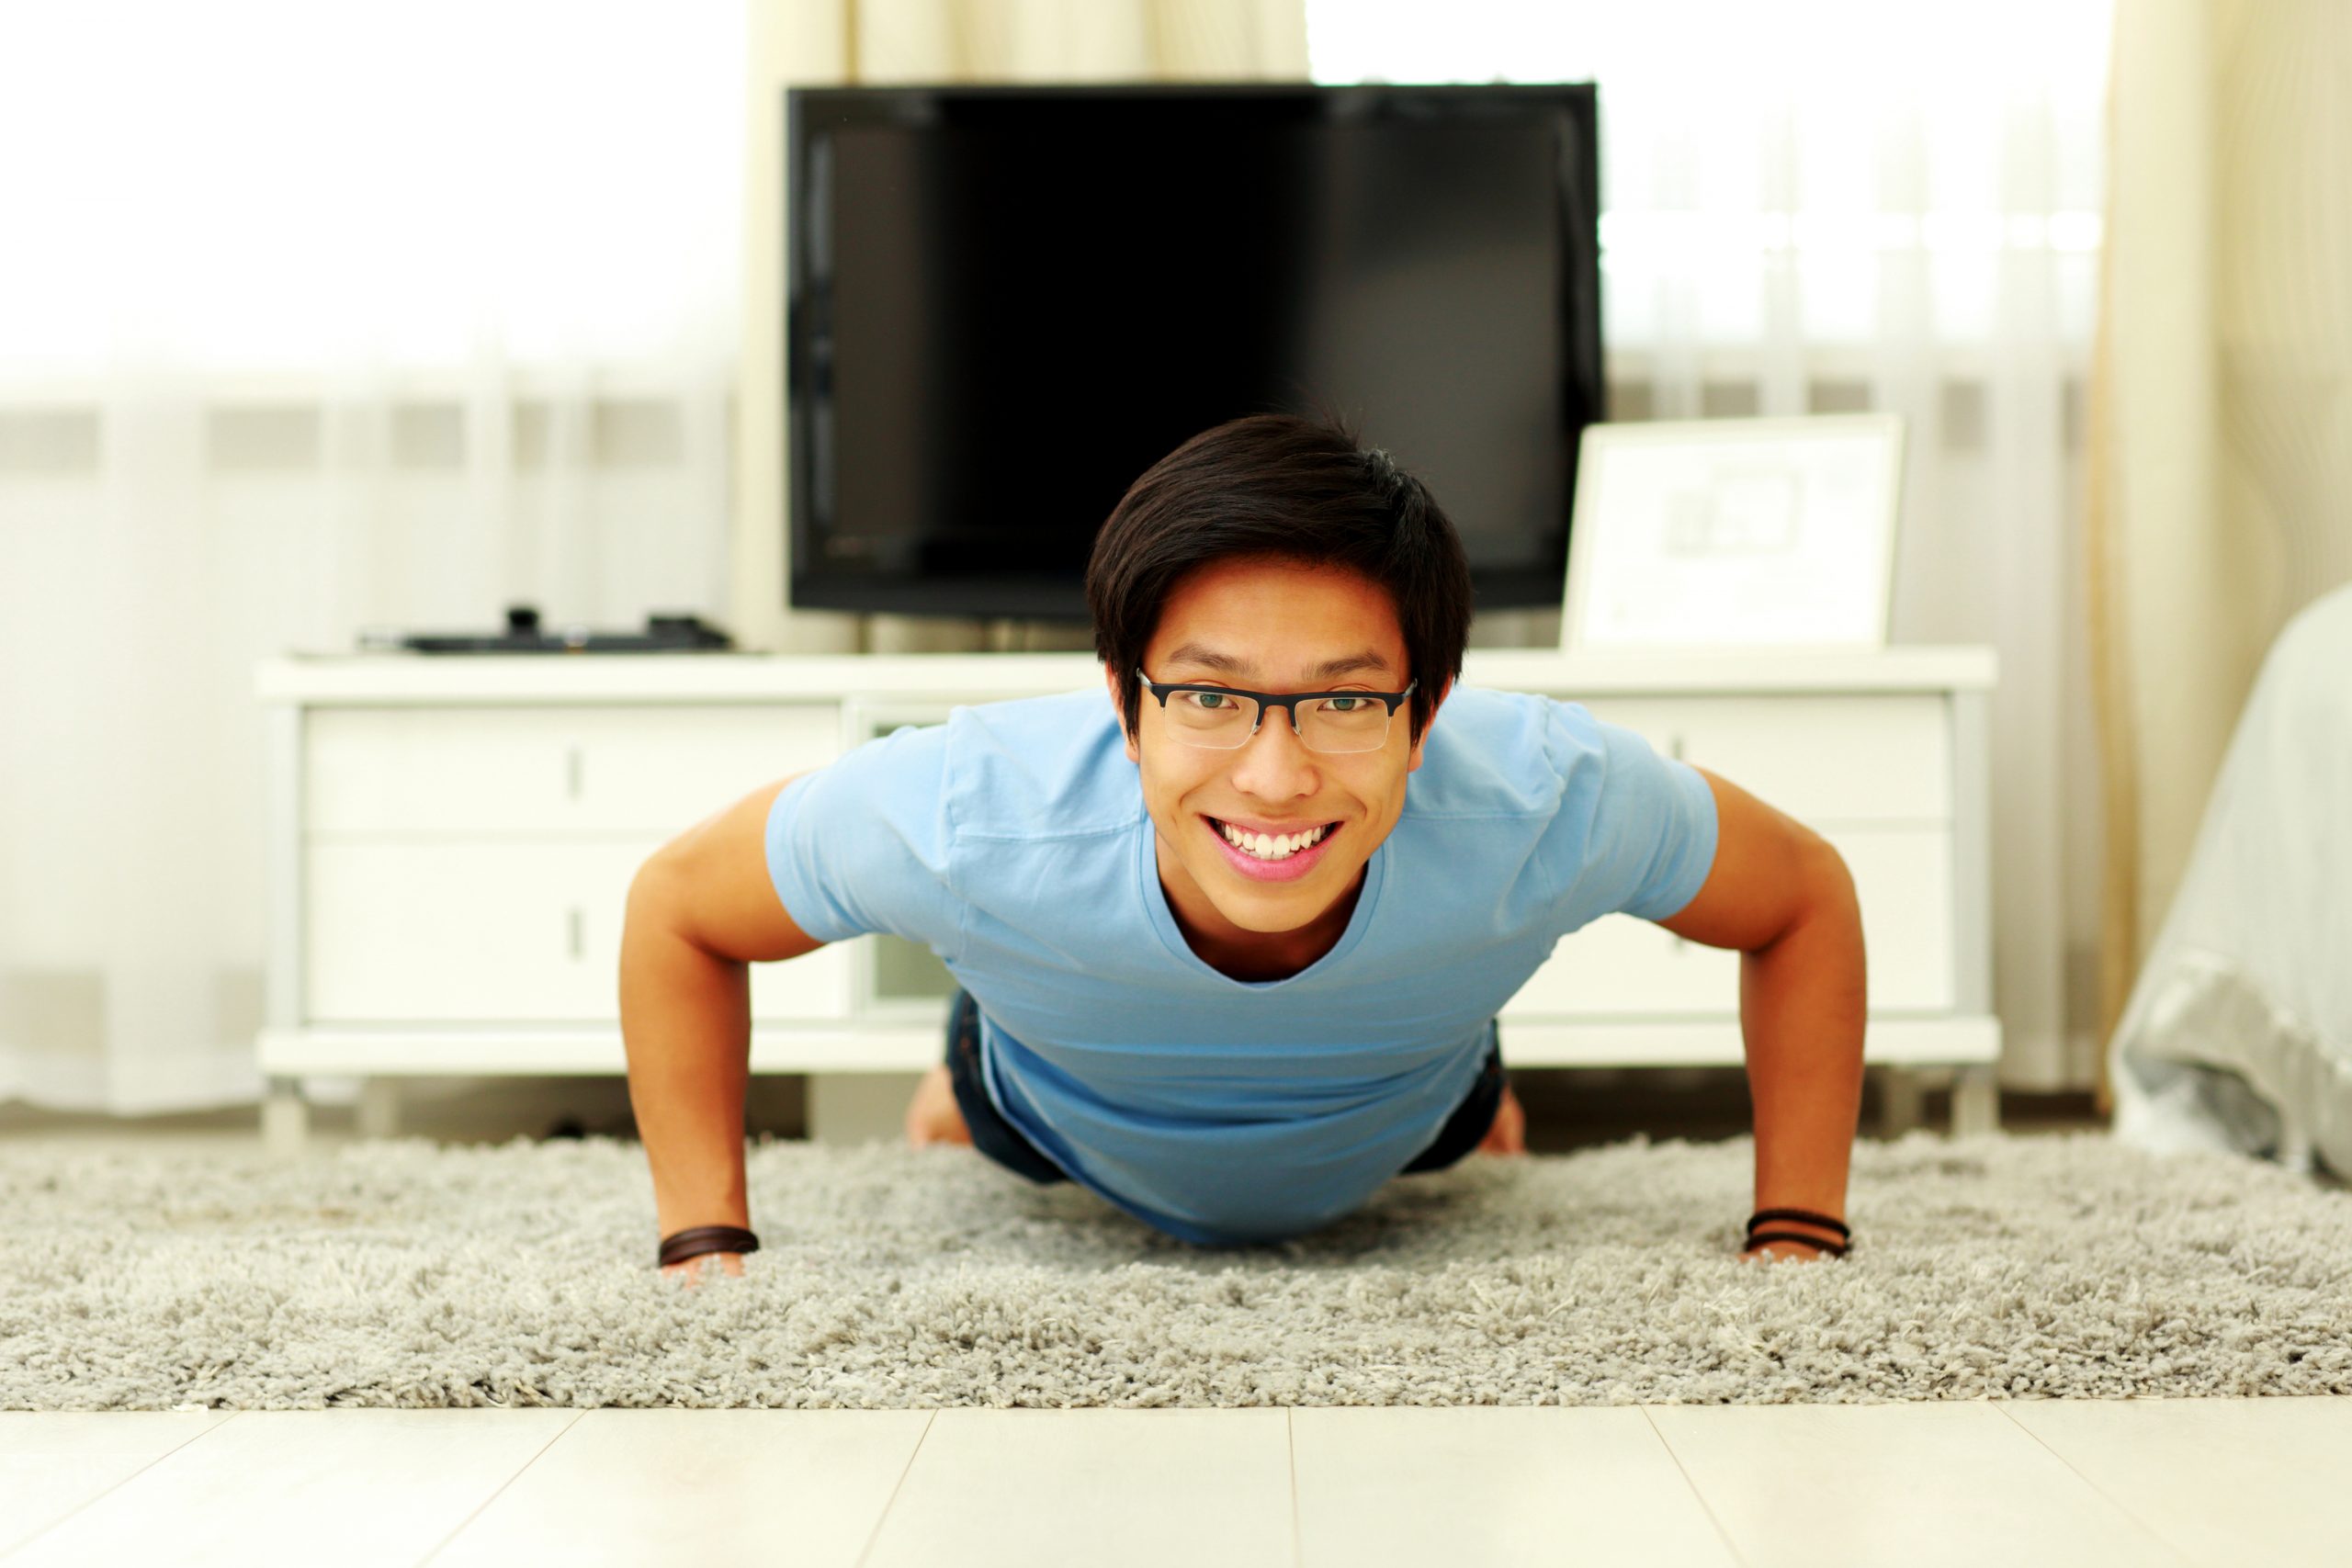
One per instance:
(1225, 664)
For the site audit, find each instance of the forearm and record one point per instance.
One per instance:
(685, 1025)
(1802, 1007)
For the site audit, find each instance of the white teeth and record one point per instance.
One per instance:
(1277, 846)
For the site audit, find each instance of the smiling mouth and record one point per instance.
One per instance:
(1273, 848)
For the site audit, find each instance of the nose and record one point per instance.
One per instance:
(1274, 763)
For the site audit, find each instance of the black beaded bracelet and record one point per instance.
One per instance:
(698, 1239)
(1762, 1216)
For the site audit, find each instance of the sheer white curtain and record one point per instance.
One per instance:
(313, 319)
(1813, 208)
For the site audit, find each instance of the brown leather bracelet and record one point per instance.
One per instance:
(696, 1240)
(1803, 1217)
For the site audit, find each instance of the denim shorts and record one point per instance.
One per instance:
(1005, 1144)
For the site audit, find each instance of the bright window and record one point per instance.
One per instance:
(1738, 136)
(267, 185)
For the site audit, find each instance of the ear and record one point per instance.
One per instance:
(1111, 679)
(1414, 759)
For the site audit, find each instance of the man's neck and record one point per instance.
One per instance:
(1251, 955)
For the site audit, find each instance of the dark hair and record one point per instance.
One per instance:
(1286, 487)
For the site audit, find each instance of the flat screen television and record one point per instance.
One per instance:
(1005, 303)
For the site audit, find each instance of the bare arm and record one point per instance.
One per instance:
(1782, 894)
(701, 911)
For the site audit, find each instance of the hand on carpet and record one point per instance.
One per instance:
(1795, 1251)
(691, 1270)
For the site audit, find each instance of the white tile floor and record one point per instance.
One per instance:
(2010, 1483)
(2222, 1483)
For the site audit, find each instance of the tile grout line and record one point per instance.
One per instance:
(88, 1503)
(2179, 1553)
(1729, 1545)
(500, 1490)
(1289, 1445)
(866, 1552)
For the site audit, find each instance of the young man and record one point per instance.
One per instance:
(1221, 965)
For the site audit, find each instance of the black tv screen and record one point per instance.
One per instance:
(1005, 303)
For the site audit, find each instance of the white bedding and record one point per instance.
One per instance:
(2238, 1034)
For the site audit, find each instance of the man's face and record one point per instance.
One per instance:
(1270, 627)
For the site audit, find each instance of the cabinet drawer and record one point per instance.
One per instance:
(1821, 759)
(551, 771)
(1623, 964)
(525, 932)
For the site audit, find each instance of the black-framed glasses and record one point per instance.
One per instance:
(1222, 717)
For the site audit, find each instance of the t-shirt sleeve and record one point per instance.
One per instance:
(1651, 839)
(862, 843)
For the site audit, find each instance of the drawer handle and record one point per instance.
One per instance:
(572, 770)
(575, 933)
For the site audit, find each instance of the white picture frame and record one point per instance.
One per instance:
(1715, 533)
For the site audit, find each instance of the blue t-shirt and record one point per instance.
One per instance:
(1013, 842)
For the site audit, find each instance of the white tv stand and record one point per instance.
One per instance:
(451, 839)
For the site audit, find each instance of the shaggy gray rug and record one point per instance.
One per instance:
(410, 1273)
